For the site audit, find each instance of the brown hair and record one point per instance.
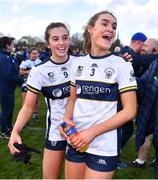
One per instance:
(52, 26)
(5, 40)
(86, 35)
(33, 49)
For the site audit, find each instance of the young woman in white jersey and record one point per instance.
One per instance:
(97, 81)
(24, 70)
(51, 78)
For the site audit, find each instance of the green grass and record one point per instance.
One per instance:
(33, 135)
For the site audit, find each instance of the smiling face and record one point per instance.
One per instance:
(58, 42)
(150, 46)
(102, 34)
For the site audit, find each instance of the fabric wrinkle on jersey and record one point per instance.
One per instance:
(53, 81)
(99, 80)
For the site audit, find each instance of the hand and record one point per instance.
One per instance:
(82, 139)
(62, 131)
(14, 138)
(127, 57)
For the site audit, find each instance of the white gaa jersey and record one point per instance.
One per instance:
(28, 64)
(99, 81)
(53, 80)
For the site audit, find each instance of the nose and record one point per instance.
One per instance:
(110, 28)
(61, 41)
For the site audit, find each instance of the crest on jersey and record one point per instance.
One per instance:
(64, 68)
(57, 92)
(79, 70)
(109, 72)
(51, 77)
(94, 65)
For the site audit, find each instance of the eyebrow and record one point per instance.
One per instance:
(106, 20)
(65, 35)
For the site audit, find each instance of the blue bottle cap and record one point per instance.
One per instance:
(63, 124)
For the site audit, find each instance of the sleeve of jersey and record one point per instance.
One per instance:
(34, 81)
(73, 75)
(125, 78)
(23, 65)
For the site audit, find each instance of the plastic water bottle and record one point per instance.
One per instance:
(71, 131)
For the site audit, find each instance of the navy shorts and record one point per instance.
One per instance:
(55, 145)
(95, 162)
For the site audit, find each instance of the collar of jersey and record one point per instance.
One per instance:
(59, 63)
(100, 57)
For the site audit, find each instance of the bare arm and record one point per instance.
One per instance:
(127, 113)
(70, 105)
(68, 115)
(22, 118)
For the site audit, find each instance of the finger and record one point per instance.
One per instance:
(12, 148)
(62, 133)
(80, 146)
(76, 142)
(125, 54)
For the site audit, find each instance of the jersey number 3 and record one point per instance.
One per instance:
(92, 72)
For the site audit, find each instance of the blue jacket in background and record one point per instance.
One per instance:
(140, 63)
(147, 117)
(9, 75)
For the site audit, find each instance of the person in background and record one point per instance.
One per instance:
(134, 48)
(20, 54)
(44, 53)
(147, 118)
(96, 80)
(9, 80)
(150, 47)
(24, 69)
(139, 62)
(51, 78)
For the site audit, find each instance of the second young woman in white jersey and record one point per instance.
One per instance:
(97, 81)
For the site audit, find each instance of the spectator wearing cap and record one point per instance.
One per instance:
(137, 42)
(147, 54)
(9, 79)
(134, 49)
(147, 94)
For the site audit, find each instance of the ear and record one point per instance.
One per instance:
(90, 29)
(47, 44)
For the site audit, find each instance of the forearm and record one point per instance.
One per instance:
(69, 110)
(128, 112)
(112, 123)
(22, 118)
(70, 105)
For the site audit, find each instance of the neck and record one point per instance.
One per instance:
(59, 59)
(100, 53)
